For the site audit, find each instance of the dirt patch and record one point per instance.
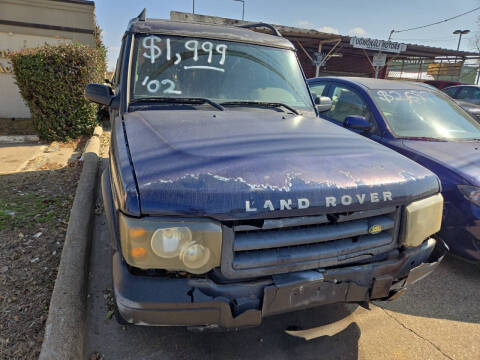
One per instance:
(105, 143)
(57, 155)
(34, 213)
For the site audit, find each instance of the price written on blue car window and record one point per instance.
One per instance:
(152, 52)
(411, 96)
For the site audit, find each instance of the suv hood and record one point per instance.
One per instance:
(236, 164)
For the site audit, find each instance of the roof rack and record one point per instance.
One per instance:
(259, 25)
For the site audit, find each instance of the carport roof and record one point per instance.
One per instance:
(310, 38)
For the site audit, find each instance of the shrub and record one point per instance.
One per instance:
(51, 79)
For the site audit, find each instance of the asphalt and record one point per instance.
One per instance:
(437, 318)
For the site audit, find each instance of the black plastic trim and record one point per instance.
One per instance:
(163, 300)
(231, 270)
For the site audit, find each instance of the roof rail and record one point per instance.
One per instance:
(259, 25)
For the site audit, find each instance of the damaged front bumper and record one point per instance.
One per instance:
(152, 300)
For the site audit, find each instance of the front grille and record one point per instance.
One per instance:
(293, 244)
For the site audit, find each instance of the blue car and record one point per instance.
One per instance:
(425, 125)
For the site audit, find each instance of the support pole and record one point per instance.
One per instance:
(419, 69)
(317, 66)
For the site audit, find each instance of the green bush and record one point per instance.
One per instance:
(51, 80)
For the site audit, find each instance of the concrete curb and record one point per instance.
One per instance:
(65, 327)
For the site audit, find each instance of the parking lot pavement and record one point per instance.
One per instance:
(438, 318)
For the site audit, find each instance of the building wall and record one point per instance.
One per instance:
(31, 23)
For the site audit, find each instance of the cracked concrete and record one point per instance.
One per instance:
(414, 332)
(444, 309)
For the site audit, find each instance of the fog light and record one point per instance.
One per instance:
(195, 256)
(168, 242)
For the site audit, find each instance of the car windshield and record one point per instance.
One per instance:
(220, 71)
(426, 114)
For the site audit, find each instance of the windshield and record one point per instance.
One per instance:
(221, 71)
(423, 113)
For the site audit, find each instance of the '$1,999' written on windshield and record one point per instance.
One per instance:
(153, 52)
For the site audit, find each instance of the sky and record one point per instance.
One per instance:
(367, 18)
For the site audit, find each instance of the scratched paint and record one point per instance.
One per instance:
(191, 163)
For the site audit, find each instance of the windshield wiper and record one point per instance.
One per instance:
(179, 100)
(423, 138)
(261, 103)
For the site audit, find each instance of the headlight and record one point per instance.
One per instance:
(194, 246)
(167, 243)
(472, 193)
(195, 256)
(422, 219)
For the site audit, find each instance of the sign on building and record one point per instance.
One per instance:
(377, 45)
(379, 60)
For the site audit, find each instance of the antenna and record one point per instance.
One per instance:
(141, 16)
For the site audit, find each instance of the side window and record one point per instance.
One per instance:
(450, 91)
(469, 93)
(346, 102)
(317, 89)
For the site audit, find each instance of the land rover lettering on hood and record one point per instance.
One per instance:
(304, 203)
(226, 192)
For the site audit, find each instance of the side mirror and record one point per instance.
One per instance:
(99, 93)
(356, 122)
(323, 103)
